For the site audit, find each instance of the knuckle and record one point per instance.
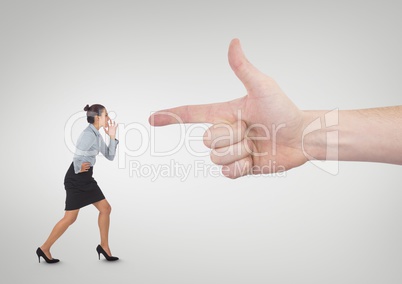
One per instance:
(215, 158)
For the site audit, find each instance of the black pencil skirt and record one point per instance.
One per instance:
(81, 189)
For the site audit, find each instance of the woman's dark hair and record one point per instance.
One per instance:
(92, 111)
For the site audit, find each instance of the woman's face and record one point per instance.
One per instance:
(103, 118)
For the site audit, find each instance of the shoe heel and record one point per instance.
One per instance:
(100, 251)
(40, 253)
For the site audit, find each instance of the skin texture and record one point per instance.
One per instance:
(265, 132)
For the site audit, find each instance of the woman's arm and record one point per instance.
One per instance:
(110, 152)
(84, 144)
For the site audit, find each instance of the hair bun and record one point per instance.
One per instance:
(86, 108)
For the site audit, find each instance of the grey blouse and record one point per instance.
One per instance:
(88, 146)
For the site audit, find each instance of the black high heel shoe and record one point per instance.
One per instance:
(100, 250)
(40, 253)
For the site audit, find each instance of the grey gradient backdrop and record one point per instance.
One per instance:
(136, 57)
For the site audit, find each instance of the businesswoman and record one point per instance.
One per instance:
(81, 188)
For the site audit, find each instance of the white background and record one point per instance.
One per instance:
(136, 58)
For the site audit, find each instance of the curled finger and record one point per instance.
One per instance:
(232, 153)
(224, 134)
(238, 168)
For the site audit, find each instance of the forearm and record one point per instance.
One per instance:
(373, 135)
(109, 151)
(77, 162)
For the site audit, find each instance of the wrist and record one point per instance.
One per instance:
(320, 134)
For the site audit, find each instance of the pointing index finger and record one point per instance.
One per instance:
(207, 113)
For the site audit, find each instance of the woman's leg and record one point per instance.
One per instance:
(104, 221)
(61, 226)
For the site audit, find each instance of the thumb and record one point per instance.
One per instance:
(244, 70)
